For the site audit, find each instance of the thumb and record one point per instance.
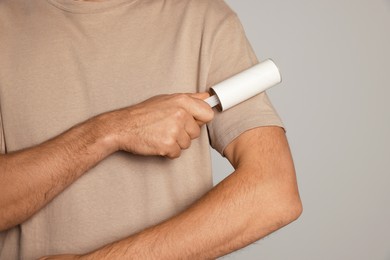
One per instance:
(201, 95)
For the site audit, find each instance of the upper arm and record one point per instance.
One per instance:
(260, 147)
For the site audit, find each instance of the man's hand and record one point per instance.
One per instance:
(162, 125)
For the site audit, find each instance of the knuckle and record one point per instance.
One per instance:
(160, 149)
(169, 142)
(181, 97)
(174, 131)
(162, 152)
(180, 114)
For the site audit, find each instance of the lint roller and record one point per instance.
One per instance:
(244, 85)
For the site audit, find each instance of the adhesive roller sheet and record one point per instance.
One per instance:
(244, 85)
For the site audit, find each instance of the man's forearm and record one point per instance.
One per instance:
(32, 177)
(235, 213)
(260, 197)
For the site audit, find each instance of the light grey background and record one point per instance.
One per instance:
(334, 56)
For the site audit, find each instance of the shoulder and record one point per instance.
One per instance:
(219, 7)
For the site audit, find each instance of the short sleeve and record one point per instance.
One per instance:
(231, 54)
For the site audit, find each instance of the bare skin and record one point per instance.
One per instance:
(162, 125)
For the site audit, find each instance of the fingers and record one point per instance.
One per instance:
(192, 128)
(201, 111)
(201, 95)
(188, 131)
(184, 140)
(194, 104)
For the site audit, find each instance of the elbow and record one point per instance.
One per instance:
(292, 211)
(281, 211)
(299, 210)
(288, 210)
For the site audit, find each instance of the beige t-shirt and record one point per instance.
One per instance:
(64, 61)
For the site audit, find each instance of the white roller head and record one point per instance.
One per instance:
(247, 84)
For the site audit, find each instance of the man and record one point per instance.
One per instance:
(103, 158)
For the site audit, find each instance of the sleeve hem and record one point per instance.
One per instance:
(232, 133)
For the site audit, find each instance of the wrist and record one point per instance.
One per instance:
(103, 132)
